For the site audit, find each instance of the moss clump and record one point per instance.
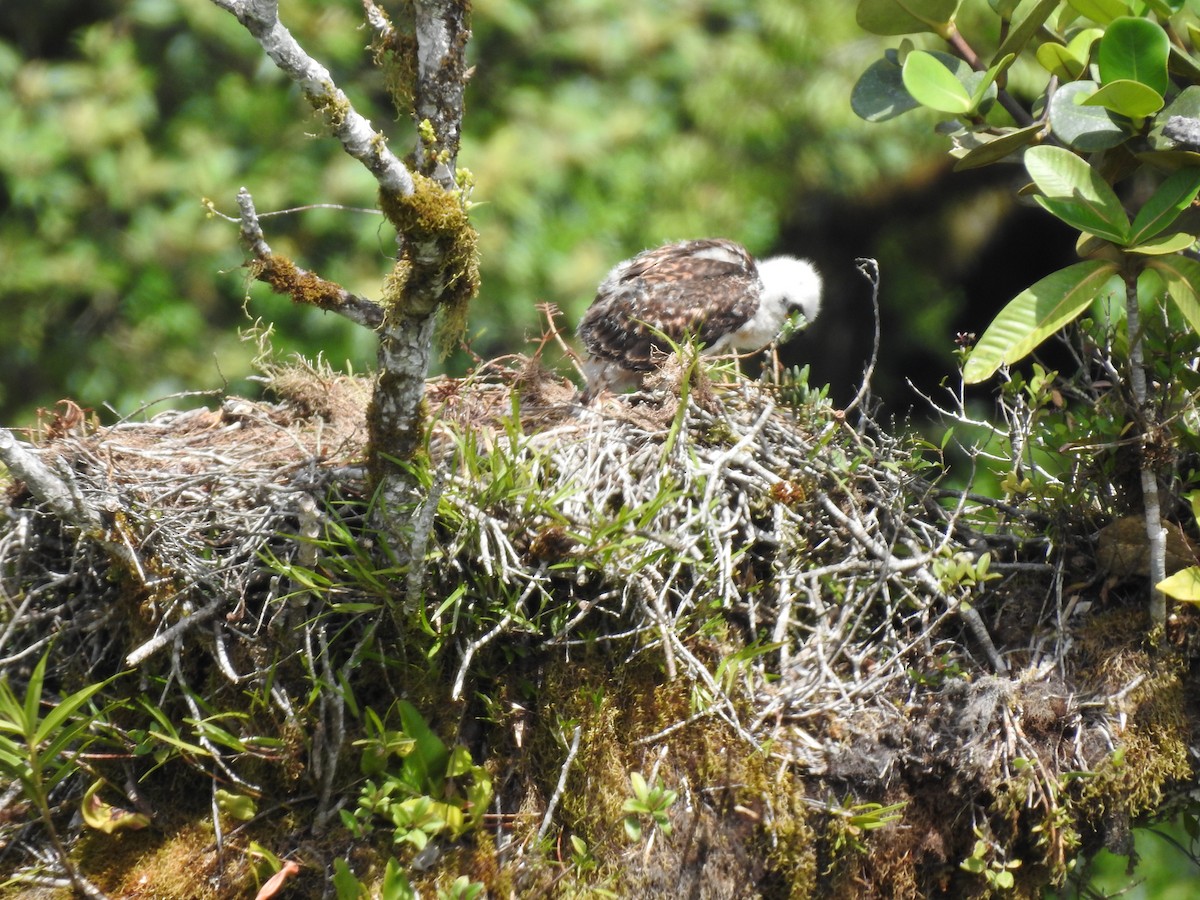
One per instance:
(438, 266)
(286, 278)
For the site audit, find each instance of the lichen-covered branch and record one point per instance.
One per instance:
(364, 143)
(436, 269)
(1156, 535)
(442, 34)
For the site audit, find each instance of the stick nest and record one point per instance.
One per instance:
(798, 571)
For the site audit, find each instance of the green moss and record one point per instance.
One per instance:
(438, 267)
(1153, 750)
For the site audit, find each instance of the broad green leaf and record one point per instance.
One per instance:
(1061, 175)
(1184, 585)
(1134, 49)
(933, 85)
(986, 149)
(1035, 314)
(1127, 98)
(1171, 198)
(879, 94)
(906, 16)
(426, 765)
(1022, 31)
(1182, 276)
(395, 884)
(1083, 217)
(1100, 11)
(345, 885)
(1086, 128)
(1172, 243)
(1081, 44)
(1060, 62)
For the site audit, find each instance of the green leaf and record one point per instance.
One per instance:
(988, 149)
(1086, 128)
(933, 85)
(33, 699)
(1035, 314)
(1134, 49)
(1127, 98)
(1060, 62)
(1101, 11)
(1172, 243)
(1184, 585)
(880, 94)
(395, 884)
(1022, 31)
(67, 707)
(1182, 276)
(1083, 217)
(426, 765)
(99, 815)
(345, 885)
(633, 829)
(237, 806)
(1081, 44)
(983, 84)
(1171, 198)
(906, 16)
(1062, 175)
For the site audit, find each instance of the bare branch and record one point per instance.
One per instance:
(52, 489)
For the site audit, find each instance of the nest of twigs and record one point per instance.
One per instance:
(792, 566)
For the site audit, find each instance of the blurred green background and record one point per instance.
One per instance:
(594, 129)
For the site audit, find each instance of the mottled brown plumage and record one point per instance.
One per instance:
(711, 289)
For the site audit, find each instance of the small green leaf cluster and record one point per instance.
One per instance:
(436, 790)
(648, 803)
(853, 821)
(963, 569)
(395, 885)
(999, 873)
(1114, 73)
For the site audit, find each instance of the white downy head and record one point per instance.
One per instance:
(789, 284)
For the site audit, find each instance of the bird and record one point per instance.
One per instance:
(710, 288)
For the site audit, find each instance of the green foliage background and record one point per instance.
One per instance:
(594, 128)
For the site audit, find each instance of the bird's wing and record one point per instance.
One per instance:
(706, 288)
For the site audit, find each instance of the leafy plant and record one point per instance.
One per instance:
(40, 752)
(648, 802)
(982, 861)
(395, 884)
(435, 791)
(858, 819)
(1119, 85)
